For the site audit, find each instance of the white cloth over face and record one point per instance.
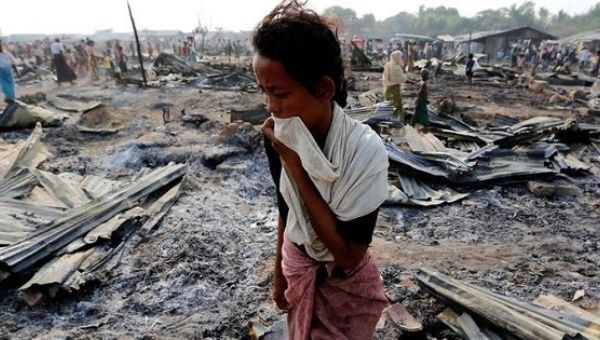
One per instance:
(392, 70)
(350, 173)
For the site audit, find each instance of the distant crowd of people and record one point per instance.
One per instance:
(551, 56)
(72, 60)
(377, 50)
(87, 59)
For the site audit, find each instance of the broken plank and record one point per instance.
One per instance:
(470, 328)
(403, 319)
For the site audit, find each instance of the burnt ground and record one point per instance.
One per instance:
(205, 272)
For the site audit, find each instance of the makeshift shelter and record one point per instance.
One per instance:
(489, 42)
(447, 41)
(404, 37)
(589, 39)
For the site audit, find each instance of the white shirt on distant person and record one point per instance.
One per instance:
(584, 55)
(56, 47)
(6, 60)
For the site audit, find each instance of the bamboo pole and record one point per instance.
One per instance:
(137, 42)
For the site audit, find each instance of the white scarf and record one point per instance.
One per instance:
(350, 173)
(392, 70)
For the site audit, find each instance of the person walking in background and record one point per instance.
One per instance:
(411, 54)
(596, 68)
(150, 50)
(122, 60)
(93, 59)
(64, 73)
(421, 115)
(106, 65)
(521, 63)
(470, 69)
(38, 52)
(535, 63)
(132, 49)
(393, 78)
(7, 80)
(70, 59)
(584, 57)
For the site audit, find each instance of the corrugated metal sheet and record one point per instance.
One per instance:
(20, 257)
(25, 154)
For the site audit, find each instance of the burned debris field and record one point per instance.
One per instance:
(143, 213)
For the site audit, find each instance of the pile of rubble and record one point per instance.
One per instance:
(559, 87)
(18, 115)
(62, 231)
(34, 74)
(169, 69)
(426, 166)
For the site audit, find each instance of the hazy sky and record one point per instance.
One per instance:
(85, 16)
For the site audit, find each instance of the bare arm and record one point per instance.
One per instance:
(279, 281)
(278, 252)
(347, 254)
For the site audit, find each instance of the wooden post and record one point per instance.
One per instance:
(137, 42)
(487, 44)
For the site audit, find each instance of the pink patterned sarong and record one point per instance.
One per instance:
(342, 305)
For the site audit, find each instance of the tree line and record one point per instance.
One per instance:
(433, 21)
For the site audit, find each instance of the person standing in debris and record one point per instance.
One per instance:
(535, 63)
(228, 50)
(427, 51)
(411, 56)
(106, 65)
(38, 52)
(63, 72)
(596, 68)
(122, 60)
(546, 59)
(132, 49)
(81, 59)
(469, 69)
(330, 172)
(7, 81)
(393, 78)
(584, 57)
(150, 50)
(421, 115)
(70, 59)
(93, 59)
(521, 63)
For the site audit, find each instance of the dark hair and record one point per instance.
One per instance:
(470, 55)
(305, 43)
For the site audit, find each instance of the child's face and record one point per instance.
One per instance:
(285, 96)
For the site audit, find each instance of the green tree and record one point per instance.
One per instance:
(544, 16)
(447, 20)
